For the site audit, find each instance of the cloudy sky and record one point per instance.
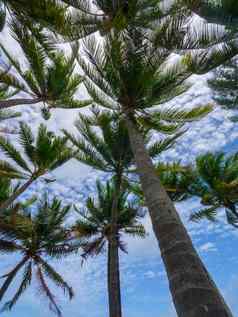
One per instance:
(144, 283)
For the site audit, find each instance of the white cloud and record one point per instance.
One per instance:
(208, 247)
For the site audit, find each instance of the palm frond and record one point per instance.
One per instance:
(13, 154)
(26, 281)
(207, 213)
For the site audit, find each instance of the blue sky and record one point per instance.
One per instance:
(144, 283)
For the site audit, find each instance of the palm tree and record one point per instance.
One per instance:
(44, 154)
(94, 229)
(216, 185)
(107, 149)
(133, 80)
(37, 237)
(49, 77)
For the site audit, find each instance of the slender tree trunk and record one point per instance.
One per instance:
(19, 101)
(15, 195)
(193, 291)
(114, 290)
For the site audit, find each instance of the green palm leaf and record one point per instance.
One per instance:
(13, 153)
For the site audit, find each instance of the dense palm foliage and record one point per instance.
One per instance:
(94, 224)
(103, 143)
(124, 78)
(44, 153)
(37, 236)
(216, 185)
(98, 229)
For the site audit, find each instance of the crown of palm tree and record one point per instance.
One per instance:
(135, 81)
(48, 77)
(37, 236)
(94, 225)
(103, 142)
(43, 154)
(216, 185)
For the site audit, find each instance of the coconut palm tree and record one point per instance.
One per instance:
(94, 229)
(48, 77)
(216, 185)
(43, 154)
(103, 143)
(133, 80)
(37, 237)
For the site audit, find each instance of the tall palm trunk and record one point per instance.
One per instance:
(114, 289)
(15, 195)
(194, 292)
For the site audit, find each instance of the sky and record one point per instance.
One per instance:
(144, 283)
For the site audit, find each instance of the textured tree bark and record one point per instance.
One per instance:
(194, 292)
(19, 101)
(15, 195)
(114, 290)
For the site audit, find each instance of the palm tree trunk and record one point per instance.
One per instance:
(19, 101)
(15, 195)
(114, 290)
(194, 292)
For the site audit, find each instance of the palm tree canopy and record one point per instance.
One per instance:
(37, 236)
(94, 225)
(48, 77)
(216, 185)
(103, 142)
(126, 79)
(43, 153)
